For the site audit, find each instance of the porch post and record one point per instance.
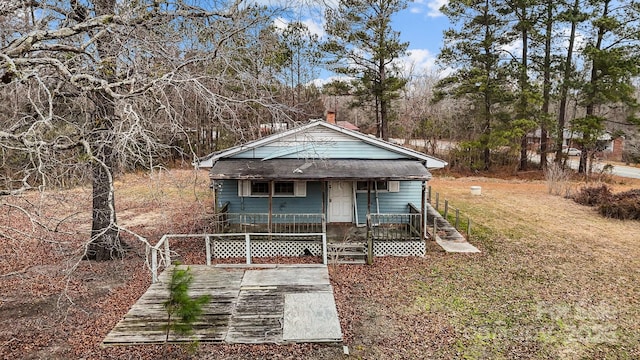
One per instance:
(324, 194)
(167, 252)
(423, 212)
(324, 207)
(154, 265)
(207, 249)
(270, 205)
(215, 197)
(324, 248)
(247, 247)
(368, 197)
(369, 229)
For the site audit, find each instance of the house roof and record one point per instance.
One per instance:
(329, 169)
(430, 161)
(347, 125)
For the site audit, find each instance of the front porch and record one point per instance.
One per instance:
(381, 227)
(280, 234)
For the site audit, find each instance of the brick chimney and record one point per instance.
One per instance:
(618, 149)
(331, 117)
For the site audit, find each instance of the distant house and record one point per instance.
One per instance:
(321, 176)
(609, 147)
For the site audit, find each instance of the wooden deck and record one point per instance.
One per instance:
(255, 304)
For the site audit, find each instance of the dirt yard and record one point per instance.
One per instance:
(554, 279)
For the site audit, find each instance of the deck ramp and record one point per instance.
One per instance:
(276, 304)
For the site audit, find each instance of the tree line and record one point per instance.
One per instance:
(511, 72)
(521, 67)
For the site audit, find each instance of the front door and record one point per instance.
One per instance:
(340, 202)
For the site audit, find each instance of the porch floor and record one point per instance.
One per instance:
(249, 304)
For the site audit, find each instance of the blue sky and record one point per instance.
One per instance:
(421, 24)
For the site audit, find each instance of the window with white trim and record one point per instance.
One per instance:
(260, 188)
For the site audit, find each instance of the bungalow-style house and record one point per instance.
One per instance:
(322, 178)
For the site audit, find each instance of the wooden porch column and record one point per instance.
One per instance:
(369, 231)
(423, 212)
(325, 216)
(368, 197)
(215, 196)
(270, 220)
(324, 194)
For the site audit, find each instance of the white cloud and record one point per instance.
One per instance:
(434, 7)
(280, 23)
(316, 28)
(514, 48)
(431, 8)
(321, 82)
(417, 61)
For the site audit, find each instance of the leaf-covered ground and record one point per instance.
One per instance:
(554, 280)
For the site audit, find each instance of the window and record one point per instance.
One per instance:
(260, 188)
(382, 186)
(283, 188)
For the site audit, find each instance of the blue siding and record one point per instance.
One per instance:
(391, 202)
(311, 204)
(321, 149)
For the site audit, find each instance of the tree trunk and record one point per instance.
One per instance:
(524, 85)
(384, 108)
(105, 240)
(384, 120)
(565, 81)
(546, 87)
(593, 89)
(487, 97)
(486, 133)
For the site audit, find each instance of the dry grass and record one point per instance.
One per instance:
(554, 280)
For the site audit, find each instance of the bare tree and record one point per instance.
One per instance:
(106, 85)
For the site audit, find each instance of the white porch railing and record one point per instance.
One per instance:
(161, 252)
(275, 223)
(395, 226)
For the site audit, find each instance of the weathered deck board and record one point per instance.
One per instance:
(302, 309)
(247, 306)
(301, 276)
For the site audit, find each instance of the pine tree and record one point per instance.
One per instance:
(362, 44)
(476, 50)
(525, 20)
(182, 310)
(613, 59)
